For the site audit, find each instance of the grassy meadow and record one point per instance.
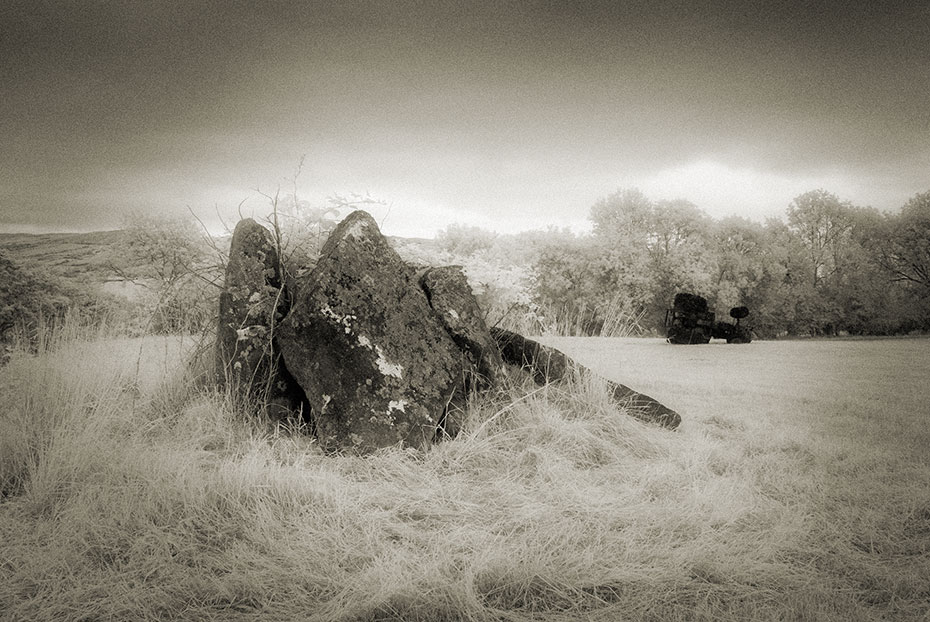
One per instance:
(797, 488)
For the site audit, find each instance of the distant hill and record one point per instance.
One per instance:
(95, 275)
(91, 257)
(72, 256)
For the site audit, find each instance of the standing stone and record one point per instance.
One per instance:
(250, 304)
(551, 365)
(374, 361)
(452, 299)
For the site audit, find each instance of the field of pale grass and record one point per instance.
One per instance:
(797, 488)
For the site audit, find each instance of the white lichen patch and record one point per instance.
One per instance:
(386, 420)
(357, 229)
(454, 314)
(345, 320)
(248, 332)
(364, 341)
(397, 405)
(386, 367)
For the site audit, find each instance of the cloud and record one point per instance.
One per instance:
(504, 115)
(722, 190)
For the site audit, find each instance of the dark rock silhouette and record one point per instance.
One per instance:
(551, 365)
(250, 305)
(689, 321)
(374, 361)
(454, 303)
(452, 299)
(372, 353)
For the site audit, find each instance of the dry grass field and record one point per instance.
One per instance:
(798, 488)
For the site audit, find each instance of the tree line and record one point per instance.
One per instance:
(827, 267)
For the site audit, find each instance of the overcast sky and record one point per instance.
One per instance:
(507, 115)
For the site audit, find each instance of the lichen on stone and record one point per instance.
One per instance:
(386, 367)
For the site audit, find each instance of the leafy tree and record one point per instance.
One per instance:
(620, 251)
(627, 214)
(27, 299)
(580, 280)
(681, 255)
(739, 244)
(905, 245)
(168, 256)
(503, 293)
(864, 300)
(829, 267)
(793, 307)
(465, 241)
(676, 224)
(821, 222)
(750, 270)
(160, 250)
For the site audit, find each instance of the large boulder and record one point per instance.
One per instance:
(452, 299)
(551, 365)
(251, 303)
(248, 303)
(374, 361)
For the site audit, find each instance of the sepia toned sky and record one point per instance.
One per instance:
(507, 115)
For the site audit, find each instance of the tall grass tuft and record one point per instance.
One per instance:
(120, 503)
(612, 318)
